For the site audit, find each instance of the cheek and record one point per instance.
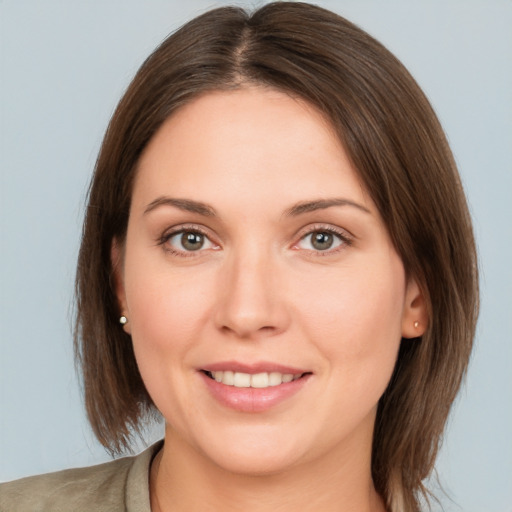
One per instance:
(168, 313)
(166, 308)
(355, 324)
(355, 318)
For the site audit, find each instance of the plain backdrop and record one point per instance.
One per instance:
(65, 64)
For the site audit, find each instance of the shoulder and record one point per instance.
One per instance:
(71, 489)
(120, 485)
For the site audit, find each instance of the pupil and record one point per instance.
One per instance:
(192, 241)
(322, 240)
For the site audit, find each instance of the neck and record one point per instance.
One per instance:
(184, 480)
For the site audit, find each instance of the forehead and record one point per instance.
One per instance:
(253, 141)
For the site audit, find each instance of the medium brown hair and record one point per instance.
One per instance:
(399, 150)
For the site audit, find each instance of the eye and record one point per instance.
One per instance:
(322, 240)
(187, 240)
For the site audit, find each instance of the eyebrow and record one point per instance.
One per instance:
(183, 204)
(206, 210)
(322, 204)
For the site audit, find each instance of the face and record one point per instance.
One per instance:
(264, 298)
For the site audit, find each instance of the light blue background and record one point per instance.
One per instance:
(64, 65)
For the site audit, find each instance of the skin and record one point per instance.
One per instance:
(259, 290)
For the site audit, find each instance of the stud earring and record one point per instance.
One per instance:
(123, 320)
(416, 324)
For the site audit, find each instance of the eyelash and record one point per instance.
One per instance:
(180, 230)
(345, 239)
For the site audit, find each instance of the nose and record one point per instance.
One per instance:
(252, 300)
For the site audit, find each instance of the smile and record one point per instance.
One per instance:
(253, 388)
(257, 380)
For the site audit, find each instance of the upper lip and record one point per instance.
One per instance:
(252, 368)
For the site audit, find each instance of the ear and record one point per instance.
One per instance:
(116, 257)
(415, 314)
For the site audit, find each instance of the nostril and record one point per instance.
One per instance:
(244, 330)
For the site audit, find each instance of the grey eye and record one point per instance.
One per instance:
(320, 241)
(192, 241)
(189, 241)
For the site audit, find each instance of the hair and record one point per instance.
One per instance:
(401, 155)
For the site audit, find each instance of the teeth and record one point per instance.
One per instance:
(228, 378)
(242, 380)
(274, 379)
(260, 380)
(257, 380)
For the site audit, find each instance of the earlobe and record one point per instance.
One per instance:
(415, 314)
(116, 257)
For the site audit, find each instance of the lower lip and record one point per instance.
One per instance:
(253, 399)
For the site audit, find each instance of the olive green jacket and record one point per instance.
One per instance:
(118, 486)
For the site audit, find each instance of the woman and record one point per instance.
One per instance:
(278, 258)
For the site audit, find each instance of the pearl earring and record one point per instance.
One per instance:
(416, 324)
(123, 320)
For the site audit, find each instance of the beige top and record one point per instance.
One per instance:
(118, 486)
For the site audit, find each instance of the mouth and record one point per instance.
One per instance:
(260, 380)
(255, 387)
(250, 388)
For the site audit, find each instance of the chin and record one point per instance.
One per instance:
(256, 463)
(254, 455)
